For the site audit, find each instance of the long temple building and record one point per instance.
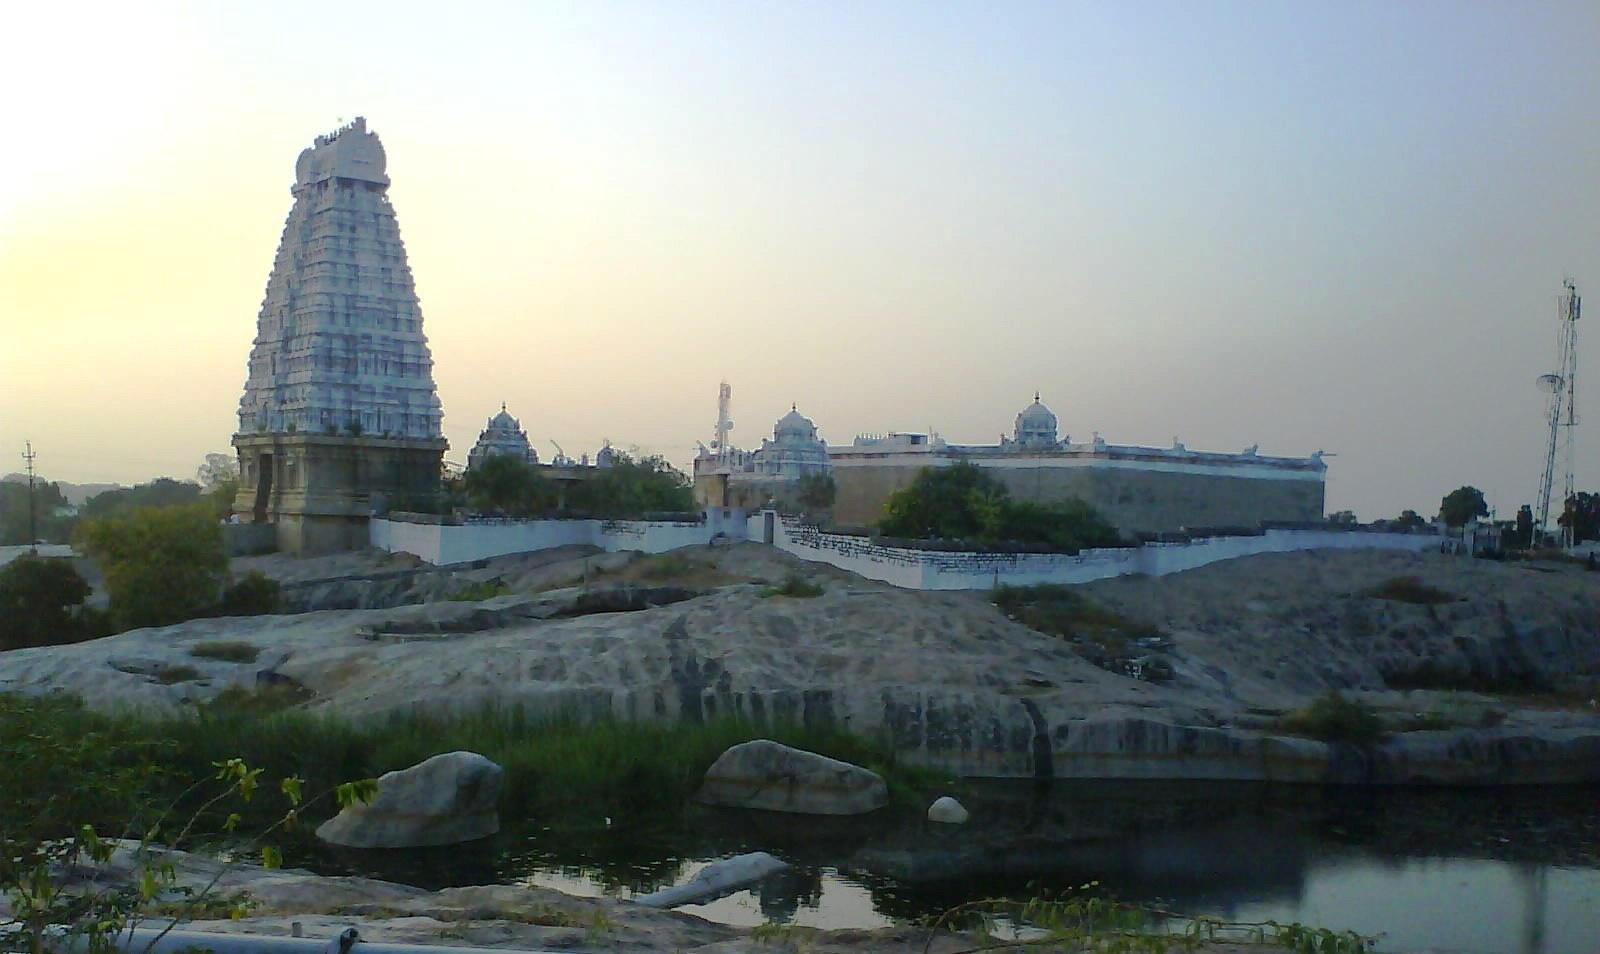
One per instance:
(340, 412)
(1139, 489)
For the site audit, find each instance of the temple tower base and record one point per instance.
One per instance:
(320, 490)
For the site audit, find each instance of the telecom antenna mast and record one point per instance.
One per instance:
(724, 424)
(1562, 415)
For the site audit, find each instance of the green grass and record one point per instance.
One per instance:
(1103, 636)
(795, 588)
(556, 768)
(229, 651)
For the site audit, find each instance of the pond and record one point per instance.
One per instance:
(1490, 870)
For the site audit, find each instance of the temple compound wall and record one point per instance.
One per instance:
(1135, 495)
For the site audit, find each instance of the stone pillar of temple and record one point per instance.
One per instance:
(339, 413)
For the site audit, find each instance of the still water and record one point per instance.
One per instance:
(1493, 871)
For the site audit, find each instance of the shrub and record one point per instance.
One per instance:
(180, 673)
(237, 652)
(665, 567)
(255, 595)
(794, 587)
(236, 701)
(1334, 718)
(473, 592)
(37, 598)
(162, 565)
(1410, 589)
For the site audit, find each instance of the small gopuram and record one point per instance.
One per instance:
(340, 412)
(502, 436)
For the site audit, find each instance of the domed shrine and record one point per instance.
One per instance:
(502, 436)
(794, 451)
(1035, 427)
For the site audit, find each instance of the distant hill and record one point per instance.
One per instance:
(76, 494)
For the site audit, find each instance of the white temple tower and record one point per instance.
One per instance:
(339, 412)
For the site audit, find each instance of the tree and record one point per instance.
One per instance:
(50, 521)
(631, 488)
(1410, 520)
(1462, 505)
(162, 565)
(816, 491)
(1345, 517)
(942, 502)
(963, 502)
(37, 599)
(510, 485)
(1582, 513)
(161, 492)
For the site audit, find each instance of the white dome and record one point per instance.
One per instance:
(795, 424)
(1036, 424)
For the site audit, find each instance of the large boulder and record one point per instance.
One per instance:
(444, 800)
(764, 774)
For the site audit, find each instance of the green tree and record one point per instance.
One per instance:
(630, 488)
(1582, 514)
(941, 502)
(50, 507)
(962, 502)
(817, 491)
(161, 492)
(162, 565)
(509, 485)
(38, 597)
(1462, 505)
(1346, 517)
(1410, 520)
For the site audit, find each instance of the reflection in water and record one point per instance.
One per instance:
(1471, 871)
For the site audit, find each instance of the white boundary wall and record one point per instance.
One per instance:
(913, 569)
(442, 545)
(936, 570)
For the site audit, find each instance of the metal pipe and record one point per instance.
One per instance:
(144, 941)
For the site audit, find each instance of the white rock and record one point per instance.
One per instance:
(444, 800)
(715, 880)
(947, 810)
(764, 774)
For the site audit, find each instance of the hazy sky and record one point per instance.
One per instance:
(1336, 225)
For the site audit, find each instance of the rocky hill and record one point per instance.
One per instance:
(1184, 676)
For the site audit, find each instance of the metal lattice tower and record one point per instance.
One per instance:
(1561, 414)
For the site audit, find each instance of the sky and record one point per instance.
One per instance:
(1339, 226)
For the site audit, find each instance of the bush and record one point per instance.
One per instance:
(37, 599)
(171, 675)
(1410, 589)
(162, 565)
(473, 592)
(255, 595)
(1335, 718)
(794, 587)
(237, 652)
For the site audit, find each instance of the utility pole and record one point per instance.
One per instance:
(33, 534)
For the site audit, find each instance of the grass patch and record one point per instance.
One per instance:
(1410, 589)
(793, 587)
(474, 592)
(171, 675)
(558, 770)
(1335, 718)
(1110, 640)
(226, 651)
(664, 567)
(238, 701)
